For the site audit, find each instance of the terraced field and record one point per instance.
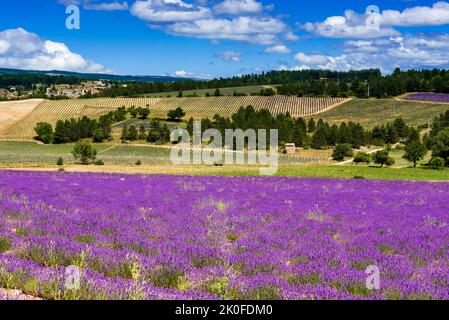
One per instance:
(51, 111)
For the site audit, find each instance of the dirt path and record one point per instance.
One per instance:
(343, 163)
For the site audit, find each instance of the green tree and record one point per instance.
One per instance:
(362, 157)
(319, 138)
(144, 113)
(84, 152)
(440, 145)
(341, 151)
(415, 151)
(124, 135)
(383, 158)
(217, 93)
(142, 132)
(311, 126)
(132, 133)
(176, 114)
(44, 132)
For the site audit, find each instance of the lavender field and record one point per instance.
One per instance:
(182, 237)
(428, 96)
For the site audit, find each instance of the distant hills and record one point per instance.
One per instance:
(97, 76)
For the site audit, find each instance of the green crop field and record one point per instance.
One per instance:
(202, 92)
(20, 152)
(374, 112)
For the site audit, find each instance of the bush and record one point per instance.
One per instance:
(85, 152)
(61, 170)
(437, 163)
(383, 158)
(341, 151)
(362, 157)
(99, 163)
(5, 244)
(60, 161)
(138, 163)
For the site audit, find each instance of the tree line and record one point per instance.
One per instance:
(399, 82)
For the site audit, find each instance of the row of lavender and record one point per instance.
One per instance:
(428, 96)
(181, 237)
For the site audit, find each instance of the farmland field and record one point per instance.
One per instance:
(183, 237)
(224, 91)
(427, 96)
(51, 111)
(33, 153)
(374, 112)
(12, 111)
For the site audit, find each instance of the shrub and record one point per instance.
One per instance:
(415, 151)
(362, 157)
(85, 152)
(341, 151)
(60, 161)
(5, 244)
(383, 158)
(138, 163)
(61, 170)
(437, 163)
(99, 163)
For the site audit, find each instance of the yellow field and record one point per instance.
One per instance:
(51, 111)
(12, 111)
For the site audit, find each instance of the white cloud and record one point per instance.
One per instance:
(157, 11)
(229, 55)
(421, 51)
(280, 49)
(236, 7)
(314, 59)
(352, 25)
(249, 29)
(436, 15)
(237, 20)
(182, 74)
(356, 25)
(21, 49)
(106, 6)
(290, 36)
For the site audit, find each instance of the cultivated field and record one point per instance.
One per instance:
(51, 111)
(20, 152)
(374, 112)
(12, 111)
(232, 238)
(224, 91)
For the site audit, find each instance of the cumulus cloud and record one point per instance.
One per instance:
(21, 49)
(106, 6)
(280, 48)
(357, 25)
(314, 59)
(238, 7)
(436, 15)
(410, 51)
(182, 74)
(249, 29)
(156, 11)
(229, 55)
(351, 25)
(238, 20)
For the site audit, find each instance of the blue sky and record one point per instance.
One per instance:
(212, 38)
